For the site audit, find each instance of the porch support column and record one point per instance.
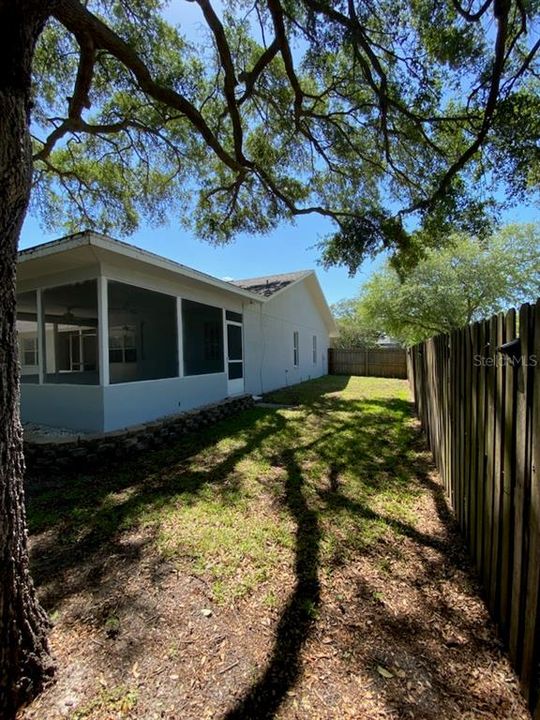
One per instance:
(103, 330)
(40, 336)
(180, 337)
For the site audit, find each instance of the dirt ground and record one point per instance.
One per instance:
(397, 630)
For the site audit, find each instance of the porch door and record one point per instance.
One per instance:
(235, 358)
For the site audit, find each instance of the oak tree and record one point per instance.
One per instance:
(387, 117)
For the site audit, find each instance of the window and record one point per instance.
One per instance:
(71, 327)
(202, 329)
(143, 334)
(233, 316)
(29, 351)
(314, 349)
(122, 346)
(295, 348)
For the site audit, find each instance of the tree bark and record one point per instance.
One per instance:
(25, 662)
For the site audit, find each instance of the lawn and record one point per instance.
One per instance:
(291, 562)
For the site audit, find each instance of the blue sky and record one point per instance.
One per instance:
(290, 247)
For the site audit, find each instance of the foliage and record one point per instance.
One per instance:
(353, 330)
(382, 119)
(452, 287)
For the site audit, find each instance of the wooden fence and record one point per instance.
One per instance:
(479, 405)
(376, 362)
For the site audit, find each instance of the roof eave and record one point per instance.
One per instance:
(122, 248)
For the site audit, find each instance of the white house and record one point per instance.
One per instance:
(111, 335)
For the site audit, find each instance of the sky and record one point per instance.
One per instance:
(288, 248)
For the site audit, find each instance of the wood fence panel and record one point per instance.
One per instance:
(371, 362)
(477, 394)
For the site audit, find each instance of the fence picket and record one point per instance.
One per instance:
(480, 408)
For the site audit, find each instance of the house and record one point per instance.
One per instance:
(111, 335)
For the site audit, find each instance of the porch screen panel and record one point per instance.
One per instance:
(202, 327)
(27, 336)
(71, 329)
(143, 333)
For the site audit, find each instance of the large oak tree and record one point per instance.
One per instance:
(380, 115)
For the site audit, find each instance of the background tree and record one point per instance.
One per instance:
(353, 329)
(366, 113)
(449, 288)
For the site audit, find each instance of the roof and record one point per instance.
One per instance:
(260, 289)
(269, 285)
(103, 242)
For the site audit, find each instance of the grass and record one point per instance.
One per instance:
(227, 504)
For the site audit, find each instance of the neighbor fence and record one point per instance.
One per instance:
(377, 362)
(477, 393)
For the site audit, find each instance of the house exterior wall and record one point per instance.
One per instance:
(269, 330)
(118, 405)
(77, 407)
(138, 402)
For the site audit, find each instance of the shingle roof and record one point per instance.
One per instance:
(269, 285)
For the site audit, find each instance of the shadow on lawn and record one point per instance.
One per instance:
(81, 528)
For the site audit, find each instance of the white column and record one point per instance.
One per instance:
(180, 337)
(103, 330)
(40, 336)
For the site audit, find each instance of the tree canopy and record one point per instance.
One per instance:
(462, 283)
(383, 117)
(396, 120)
(353, 330)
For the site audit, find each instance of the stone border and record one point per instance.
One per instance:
(92, 450)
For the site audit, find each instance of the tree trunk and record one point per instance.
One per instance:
(24, 654)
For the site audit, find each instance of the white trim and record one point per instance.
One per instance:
(121, 248)
(40, 336)
(153, 380)
(103, 330)
(63, 384)
(179, 337)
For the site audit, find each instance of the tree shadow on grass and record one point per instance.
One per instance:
(81, 525)
(79, 519)
(264, 698)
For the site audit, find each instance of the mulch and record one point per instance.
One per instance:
(399, 630)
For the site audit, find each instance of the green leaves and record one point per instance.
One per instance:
(468, 280)
(393, 120)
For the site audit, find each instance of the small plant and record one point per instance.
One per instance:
(119, 700)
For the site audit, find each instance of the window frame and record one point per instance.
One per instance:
(34, 351)
(121, 331)
(314, 349)
(296, 348)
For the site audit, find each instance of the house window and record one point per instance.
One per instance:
(27, 336)
(295, 348)
(122, 345)
(202, 329)
(29, 351)
(314, 349)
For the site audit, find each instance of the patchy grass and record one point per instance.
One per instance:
(266, 567)
(216, 504)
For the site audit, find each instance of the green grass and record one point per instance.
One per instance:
(268, 492)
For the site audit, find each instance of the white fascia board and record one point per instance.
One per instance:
(121, 248)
